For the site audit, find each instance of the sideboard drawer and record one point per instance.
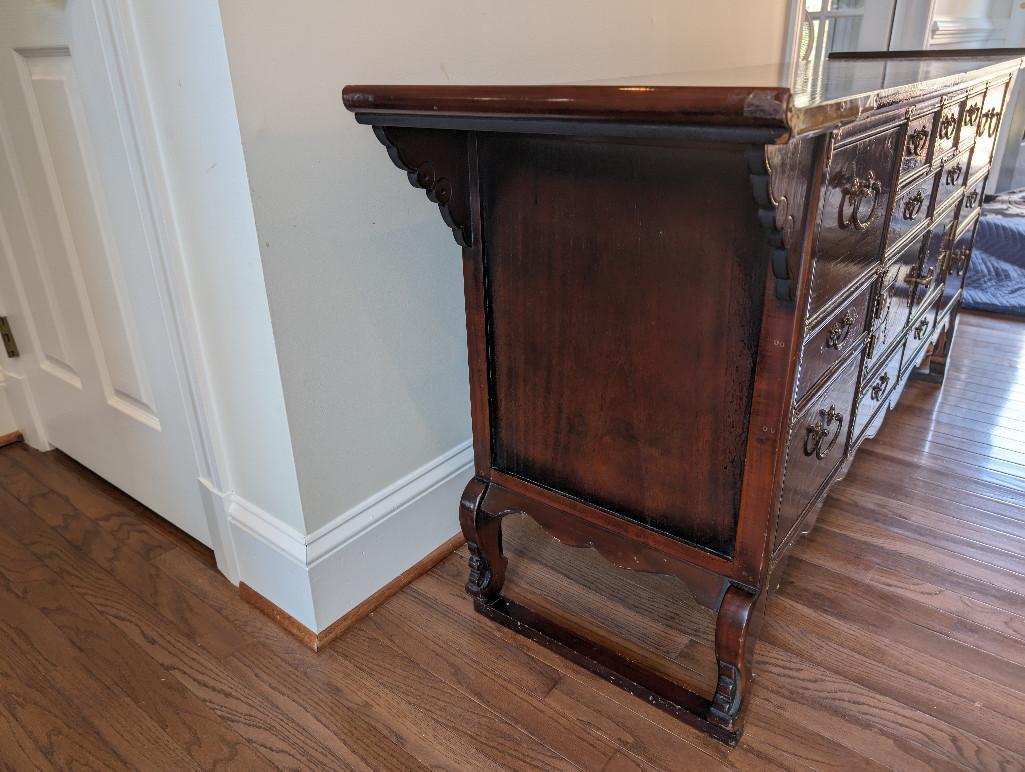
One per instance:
(972, 199)
(854, 205)
(834, 338)
(911, 209)
(925, 279)
(892, 305)
(875, 392)
(970, 119)
(952, 178)
(816, 447)
(917, 148)
(946, 129)
(956, 266)
(989, 122)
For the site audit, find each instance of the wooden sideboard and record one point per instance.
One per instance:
(687, 306)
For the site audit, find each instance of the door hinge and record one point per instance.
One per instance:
(10, 345)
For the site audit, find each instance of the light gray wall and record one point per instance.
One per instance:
(363, 277)
(186, 72)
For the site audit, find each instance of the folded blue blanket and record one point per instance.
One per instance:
(996, 277)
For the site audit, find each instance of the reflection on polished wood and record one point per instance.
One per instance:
(896, 640)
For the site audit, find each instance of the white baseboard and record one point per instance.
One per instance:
(17, 399)
(320, 577)
(7, 423)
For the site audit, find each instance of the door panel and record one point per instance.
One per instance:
(99, 355)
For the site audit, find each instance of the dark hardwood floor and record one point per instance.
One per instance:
(897, 639)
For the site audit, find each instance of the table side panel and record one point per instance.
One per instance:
(624, 346)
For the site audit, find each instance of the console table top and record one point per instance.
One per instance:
(744, 98)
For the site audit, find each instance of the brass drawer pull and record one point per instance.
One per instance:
(918, 140)
(840, 332)
(954, 174)
(947, 124)
(920, 329)
(913, 205)
(879, 387)
(971, 198)
(914, 277)
(972, 115)
(957, 260)
(820, 430)
(989, 122)
(856, 192)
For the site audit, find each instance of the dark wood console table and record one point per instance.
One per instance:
(687, 306)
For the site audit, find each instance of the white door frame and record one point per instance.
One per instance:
(136, 119)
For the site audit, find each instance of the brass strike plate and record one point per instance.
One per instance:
(10, 345)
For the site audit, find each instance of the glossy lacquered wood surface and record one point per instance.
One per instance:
(608, 337)
(816, 99)
(896, 639)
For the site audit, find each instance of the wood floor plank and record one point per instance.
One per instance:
(913, 680)
(283, 739)
(495, 736)
(896, 639)
(107, 652)
(908, 585)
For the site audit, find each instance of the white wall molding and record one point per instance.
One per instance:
(965, 32)
(319, 577)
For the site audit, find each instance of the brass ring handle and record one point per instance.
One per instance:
(920, 329)
(947, 124)
(856, 191)
(918, 140)
(820, 430)
(913, 205)
(971, 198)
(954, 174)
(840, 332)
(879, 387)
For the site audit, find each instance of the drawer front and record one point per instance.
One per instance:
(956, 266)
(972, 199)
(946, 128)
(911, 208)
(816, 447)
(989, 122)
(979, 163)
(892, 309)
(916, 152)
(875, 392)
(834, 338)
(854, 205)
(953, 176)
(921, 329)
(926, 276)
(970, 119)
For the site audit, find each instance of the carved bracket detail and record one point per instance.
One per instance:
(774, 213)
(436, 161)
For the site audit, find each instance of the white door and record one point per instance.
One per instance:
(76, 269)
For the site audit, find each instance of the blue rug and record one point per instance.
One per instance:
(996, 276)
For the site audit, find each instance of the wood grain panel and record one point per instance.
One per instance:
(607, 417)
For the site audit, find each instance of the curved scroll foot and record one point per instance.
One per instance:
(483, 534)
(735, 635)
